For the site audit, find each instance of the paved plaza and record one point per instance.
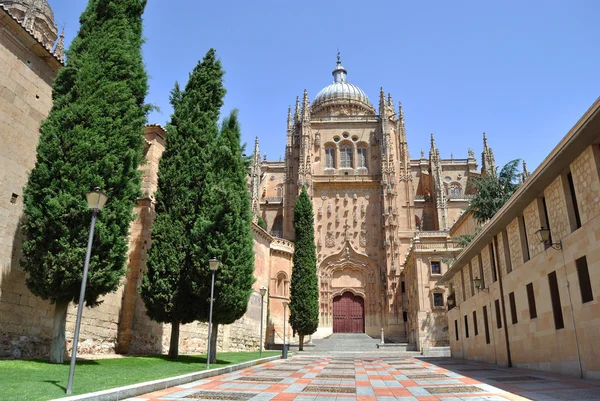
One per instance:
(382, 377)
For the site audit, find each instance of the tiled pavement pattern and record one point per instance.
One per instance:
(384, 378)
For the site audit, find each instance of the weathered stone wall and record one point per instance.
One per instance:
(25, 100)
(537, 342)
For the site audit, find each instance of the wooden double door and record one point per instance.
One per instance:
(348, 314)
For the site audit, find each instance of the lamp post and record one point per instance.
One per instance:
(263, 291)
(213, 264)
(95, 200)
(284, 350)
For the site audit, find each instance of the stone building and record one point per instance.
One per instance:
(527, 288)
(29, 65)
(376, 210)
(381, 218)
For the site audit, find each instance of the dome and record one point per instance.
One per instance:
(40, 6)
(36, 16)
(341, 92)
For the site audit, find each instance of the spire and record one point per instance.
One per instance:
(339, 72)
(255, 173)
(305, 107)
(381, 101)
(59, 49)
(400, 123)
(525, 173)
(390, 102)
(256, 150)
(297, 112)
(289, 119)
(401, 114)
(488, 164)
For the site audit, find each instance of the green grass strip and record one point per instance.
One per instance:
(34, 380)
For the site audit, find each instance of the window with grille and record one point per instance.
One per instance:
(345, 156)
(486, 325)
(559, 322)
(438, 299)
(436, 267)
(513, 307)
(531, 300)
(362, 157)
(583, 274)
(498, 314)
(330, 157)
(475, 330)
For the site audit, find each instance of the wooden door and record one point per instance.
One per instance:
(348, 314)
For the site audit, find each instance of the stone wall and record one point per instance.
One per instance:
(537, 341)
(25, 100)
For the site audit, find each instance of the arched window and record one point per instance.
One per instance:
(361, 154)
(277, 230)
(281, 284)
(345, 156)
(330, 157)
(455, 190)
(280, 191)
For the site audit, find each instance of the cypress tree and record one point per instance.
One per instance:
(175, 287)
(304, 299)
(228, 234)
(93, 136)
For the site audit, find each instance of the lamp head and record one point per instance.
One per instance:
(543, 234)
(477, 282)
(263, 291)
(96, 199)
(213, 263)
(450, 301)
(285, 304)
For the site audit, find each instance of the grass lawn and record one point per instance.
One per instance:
(39, 380)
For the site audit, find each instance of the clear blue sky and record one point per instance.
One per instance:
(522, 71)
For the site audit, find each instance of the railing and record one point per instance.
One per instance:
(272, 199)
(364, 118)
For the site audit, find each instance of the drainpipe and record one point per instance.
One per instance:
(572, 312)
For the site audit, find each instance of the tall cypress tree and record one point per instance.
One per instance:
(174, 288)
(304, 299)
(227, 234)
(93, 136)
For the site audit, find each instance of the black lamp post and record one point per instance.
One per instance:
(263, 291)
(213, 264)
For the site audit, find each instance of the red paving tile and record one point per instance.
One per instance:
(379, 370)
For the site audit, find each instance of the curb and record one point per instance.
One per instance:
(133, 390)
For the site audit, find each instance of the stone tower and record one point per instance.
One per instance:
(354, 162)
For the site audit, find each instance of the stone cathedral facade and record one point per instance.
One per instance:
(381, 218)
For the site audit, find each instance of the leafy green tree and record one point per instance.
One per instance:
(261, 223)
(175, 287)
(93, 136)
(226, 231)
(493, 191)
(304, 300)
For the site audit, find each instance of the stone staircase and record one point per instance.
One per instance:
(349, 342)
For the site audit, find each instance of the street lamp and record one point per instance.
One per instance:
(213, 264)
(543, 235)
(477, 284)
(263, 291)
(95, 200)
(284, 350)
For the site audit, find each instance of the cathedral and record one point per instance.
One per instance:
(385, 224)
(382, 219)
